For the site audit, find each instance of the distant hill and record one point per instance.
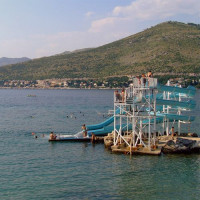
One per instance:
(170, 47)
(82, 50)
(7, 61)
(75, 51)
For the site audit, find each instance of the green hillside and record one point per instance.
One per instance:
(168, 47)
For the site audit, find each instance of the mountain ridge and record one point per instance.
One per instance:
(7, 61)
(169, 47)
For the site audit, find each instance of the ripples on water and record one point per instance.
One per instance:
(36, 169)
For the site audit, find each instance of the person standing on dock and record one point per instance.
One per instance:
(144, 79)
(173, 134)
(123, 95)
(84, 130)
(116, 95)
(93, 139)
(139, 81)
(149, 74)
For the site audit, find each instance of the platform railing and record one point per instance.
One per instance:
(120, 97)
(134, 90)
(144, 82)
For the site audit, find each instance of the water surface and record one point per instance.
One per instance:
(36, 169)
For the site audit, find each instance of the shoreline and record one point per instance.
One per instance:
(58, 88)
(61, 88)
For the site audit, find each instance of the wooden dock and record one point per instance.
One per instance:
(157, 150)
(138, 150)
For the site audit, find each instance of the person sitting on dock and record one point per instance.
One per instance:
(52, 136)
(84, 130)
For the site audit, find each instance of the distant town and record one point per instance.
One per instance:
(84, 83)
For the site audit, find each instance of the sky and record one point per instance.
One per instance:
(38, 28)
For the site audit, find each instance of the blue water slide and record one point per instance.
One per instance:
(187, 104)
(102, 124)
(159, 119)
(108, 129)
(105, 130)
(190, 90)
(174, 116)
(176, 104)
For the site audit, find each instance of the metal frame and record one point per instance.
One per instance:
(140, 98)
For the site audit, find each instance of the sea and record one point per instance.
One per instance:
(33, 168)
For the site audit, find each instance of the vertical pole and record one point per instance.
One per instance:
(179, 127)
(131, 142)
(114, 124)
(179, 112)
(140, 134)
(120, 129)
(133, 125)
(154, 107)
(167, 128)
(127, 125)
(164, 97)
(163, 126)
(149, 116)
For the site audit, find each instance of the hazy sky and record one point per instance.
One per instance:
(37, 28)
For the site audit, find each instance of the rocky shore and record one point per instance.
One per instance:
(182, 145)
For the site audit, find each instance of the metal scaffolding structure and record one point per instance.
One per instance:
(134, 123)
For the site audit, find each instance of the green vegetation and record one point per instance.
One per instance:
(168, 47)
(177, 79)
(114, 82)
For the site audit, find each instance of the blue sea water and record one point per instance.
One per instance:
(37, 169)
